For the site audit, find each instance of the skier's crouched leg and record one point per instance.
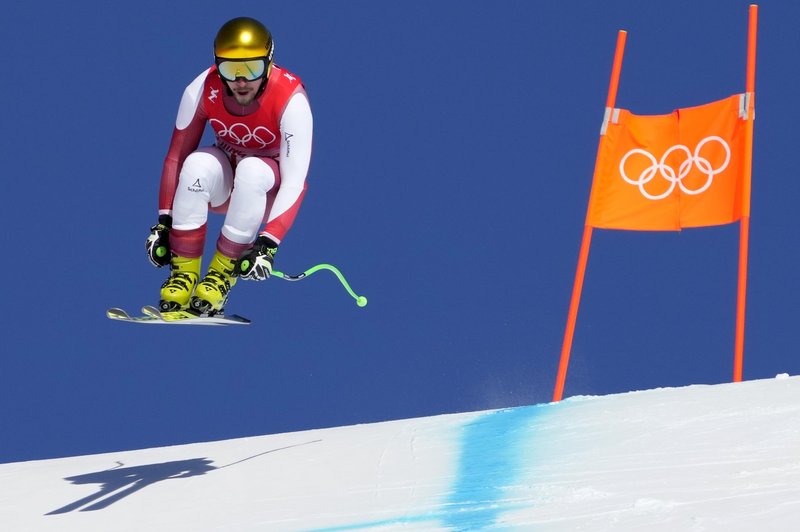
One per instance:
(203, 180)
(255, 178)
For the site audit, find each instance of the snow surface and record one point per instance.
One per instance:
(723, 457)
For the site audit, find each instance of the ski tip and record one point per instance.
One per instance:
(149, 310)
(117, 314)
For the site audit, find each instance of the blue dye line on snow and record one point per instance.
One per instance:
(495, 448)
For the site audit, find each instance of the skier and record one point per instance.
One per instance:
(255, 172)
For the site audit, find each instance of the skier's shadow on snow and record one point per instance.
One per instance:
(120, 482)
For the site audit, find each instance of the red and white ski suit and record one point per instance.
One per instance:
(255, 172)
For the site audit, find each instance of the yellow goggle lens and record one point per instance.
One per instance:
(250, 70)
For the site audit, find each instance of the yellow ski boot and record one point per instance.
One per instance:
(212, 292)
(177, 290)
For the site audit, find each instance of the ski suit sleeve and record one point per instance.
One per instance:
(296, 127)
(189, 126)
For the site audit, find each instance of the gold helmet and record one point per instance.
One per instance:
(243, 38)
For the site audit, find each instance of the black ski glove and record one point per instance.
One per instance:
(157, 243)
(256, 263)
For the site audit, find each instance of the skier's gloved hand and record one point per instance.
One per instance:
(256, 263)
(157, 243)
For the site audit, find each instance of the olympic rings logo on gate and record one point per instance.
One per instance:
(240, 134)
(668, 173)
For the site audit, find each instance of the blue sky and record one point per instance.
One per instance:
(453, 154)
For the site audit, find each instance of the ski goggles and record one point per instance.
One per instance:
(249, 69)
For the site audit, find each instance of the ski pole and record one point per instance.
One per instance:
(361, 301)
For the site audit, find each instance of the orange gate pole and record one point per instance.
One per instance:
(744, 224)
(586, 241)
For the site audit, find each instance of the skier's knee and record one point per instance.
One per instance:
(254, 173)
(199, 170)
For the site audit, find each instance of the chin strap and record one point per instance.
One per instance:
(263, 86)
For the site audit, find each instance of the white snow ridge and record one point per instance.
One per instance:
(717, 458)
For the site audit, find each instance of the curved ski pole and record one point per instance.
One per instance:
(361, 301)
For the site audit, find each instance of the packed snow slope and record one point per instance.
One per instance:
(724, 457)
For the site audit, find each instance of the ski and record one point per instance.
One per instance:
(151, 315)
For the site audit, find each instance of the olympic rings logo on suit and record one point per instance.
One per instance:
(668, 173)
(240, 134)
